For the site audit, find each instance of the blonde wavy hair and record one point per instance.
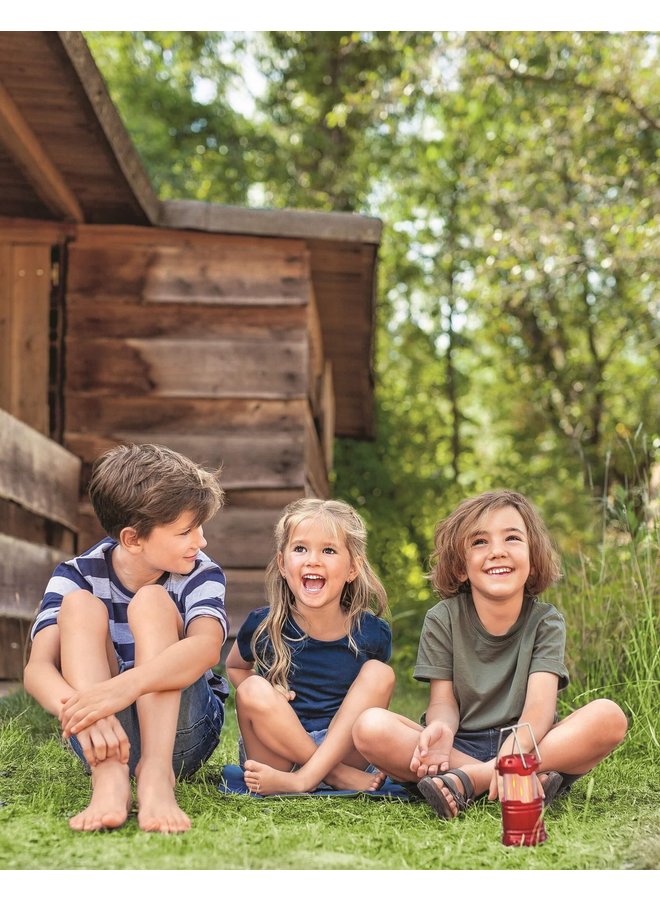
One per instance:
(271, 652)
(453, 533)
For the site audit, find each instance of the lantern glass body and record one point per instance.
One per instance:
(522, 804)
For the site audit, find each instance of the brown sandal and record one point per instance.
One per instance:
(437, 800)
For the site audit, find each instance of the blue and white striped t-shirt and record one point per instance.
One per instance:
(201, 593)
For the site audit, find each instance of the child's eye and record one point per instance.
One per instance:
(298, 548)
(329, 550)
(477, 542)
(514, 537)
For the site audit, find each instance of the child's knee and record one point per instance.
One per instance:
(371, 728)
(255, 693)
(81, 609)
(612, 720)
(379, 674)
(149, 603)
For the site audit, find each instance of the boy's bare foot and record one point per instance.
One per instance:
(111, 798)
(263, 779)
(157, 806)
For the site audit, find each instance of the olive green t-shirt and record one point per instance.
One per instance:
(489, 672)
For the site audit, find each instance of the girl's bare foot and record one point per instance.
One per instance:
(263, 779)
(348, 778)
(157, 806)
(111, 798)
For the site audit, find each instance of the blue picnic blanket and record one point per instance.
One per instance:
(232, 782)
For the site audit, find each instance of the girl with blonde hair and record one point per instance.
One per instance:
(310, 663)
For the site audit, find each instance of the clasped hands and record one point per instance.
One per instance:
(431, 757)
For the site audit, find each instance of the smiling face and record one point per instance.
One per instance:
(173, 547)
(316, 564)
(497, 556)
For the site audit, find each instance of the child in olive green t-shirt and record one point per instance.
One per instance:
(494, 656)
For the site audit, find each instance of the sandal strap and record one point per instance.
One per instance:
(468, 796)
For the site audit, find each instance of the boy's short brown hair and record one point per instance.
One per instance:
(144, 485)
(452, 535)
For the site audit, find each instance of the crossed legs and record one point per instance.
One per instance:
(573, 746)
(275, 741)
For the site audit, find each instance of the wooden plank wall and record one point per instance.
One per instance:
(24, 329)
(211, 345)
(39, 483)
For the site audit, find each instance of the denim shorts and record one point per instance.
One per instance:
(481, 745)
(201, 717)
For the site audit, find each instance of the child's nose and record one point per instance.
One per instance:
(201, 540)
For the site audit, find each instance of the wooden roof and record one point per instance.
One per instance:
(65, 156)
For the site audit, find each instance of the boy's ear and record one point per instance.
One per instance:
(129, 540)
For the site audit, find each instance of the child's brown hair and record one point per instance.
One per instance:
(144, 485)
(452, 535)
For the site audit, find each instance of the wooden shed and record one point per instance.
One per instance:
(239, 337)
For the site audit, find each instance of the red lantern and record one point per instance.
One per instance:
(522, 803)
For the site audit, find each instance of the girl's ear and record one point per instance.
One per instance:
(129, 540)
(280, 563)
(355, 569)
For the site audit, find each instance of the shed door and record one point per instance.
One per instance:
(26, 287)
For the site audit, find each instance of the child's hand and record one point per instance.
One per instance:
(85, 707)
(431, 755)
(103, 740)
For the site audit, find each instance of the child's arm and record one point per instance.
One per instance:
(176, 668)
(431, 755)
(43, 680)
(238, 669)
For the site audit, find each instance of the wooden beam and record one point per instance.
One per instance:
(24, 574)
(38, 474)
(24, 147)
(289, 223)
(121, 145)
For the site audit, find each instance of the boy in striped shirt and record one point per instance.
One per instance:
(127, 634)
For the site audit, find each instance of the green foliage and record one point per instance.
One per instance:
(171, 90)
(517, 317)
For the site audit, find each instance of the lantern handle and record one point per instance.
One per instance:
(514, 730)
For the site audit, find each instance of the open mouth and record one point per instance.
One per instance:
(313, 583)
(499, 570)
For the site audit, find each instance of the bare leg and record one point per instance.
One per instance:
(573, 746)
(387, 740)
(87, 658)
(156, 624)
(336, 760)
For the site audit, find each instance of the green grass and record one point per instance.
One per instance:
(610, 820)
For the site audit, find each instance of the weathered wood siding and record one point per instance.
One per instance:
(210, 344)
(38, 522)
